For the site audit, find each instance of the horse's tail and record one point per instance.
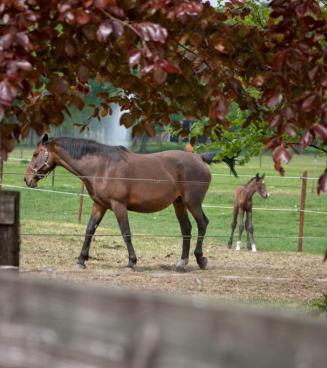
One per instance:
(208, 157)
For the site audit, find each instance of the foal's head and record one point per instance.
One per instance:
(41, 164)
(261, 186)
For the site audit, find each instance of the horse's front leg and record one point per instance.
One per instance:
(247, 231)
(121, 214)
(241, 228)
(95, 219)
(233, 226)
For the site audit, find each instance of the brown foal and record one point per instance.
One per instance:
(121, 181)
(243, 206)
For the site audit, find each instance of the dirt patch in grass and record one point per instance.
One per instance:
(262, 277)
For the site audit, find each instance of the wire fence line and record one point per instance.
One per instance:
(279, 177)
(162, 236)
(205, 205)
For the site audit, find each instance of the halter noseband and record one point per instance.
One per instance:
(45, 163)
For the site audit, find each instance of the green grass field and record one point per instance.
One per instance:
(273, 229)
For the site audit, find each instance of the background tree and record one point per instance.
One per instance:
(168, 56)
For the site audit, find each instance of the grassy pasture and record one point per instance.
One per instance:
(274, 230)
(275, 276)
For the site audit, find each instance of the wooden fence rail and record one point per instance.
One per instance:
(46, 324)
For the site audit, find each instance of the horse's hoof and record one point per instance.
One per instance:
(229, 245)
(129, 269)
(181, 265)
(203, 262)
(81, 266)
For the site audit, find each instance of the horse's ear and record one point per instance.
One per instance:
(44, 139)
(257, 176)
(263, 176)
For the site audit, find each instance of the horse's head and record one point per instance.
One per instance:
(261, 186)
(42, 163)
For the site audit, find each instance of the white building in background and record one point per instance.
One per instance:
(109, 131)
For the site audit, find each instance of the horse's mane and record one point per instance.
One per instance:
(78, 147)
(250, 181)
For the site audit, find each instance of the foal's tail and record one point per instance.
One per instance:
(208, 157)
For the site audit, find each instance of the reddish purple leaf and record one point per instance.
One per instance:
(134, 57)
(82, 18)
(301, 10)
(104, 3)
(281, 154)
(64, 7)
(6, 41)
(24, 65)
(147, 68)
(320, 131)
(117, 12)
(322, 183)
(70, 48)
(290, 130)
(218, 108)
(190, 9)
(83, 73)
(289, 113)
(274, 99)
(309, 103)
(159, 75)
(274, 121)
(105, 30)
(118, 28)
(279, 60)
(306, 139)
(169, 67)
(7, 93)
(152, 32)
(23, 40)
(57, 85)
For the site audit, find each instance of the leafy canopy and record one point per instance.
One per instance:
(169, 57)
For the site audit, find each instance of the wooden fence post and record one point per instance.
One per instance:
(302, 208)
(81, 199)
(9, 230)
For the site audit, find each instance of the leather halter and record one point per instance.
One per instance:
(45, 163)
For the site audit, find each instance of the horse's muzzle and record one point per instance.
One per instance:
(31, 183)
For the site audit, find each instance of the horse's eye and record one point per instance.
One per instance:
(35, 154)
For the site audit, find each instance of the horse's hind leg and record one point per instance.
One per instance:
(121, 214)
(186, 228)
(202, 223)
(249, 229)
(248, 240)
(233, 226)
(95, 219)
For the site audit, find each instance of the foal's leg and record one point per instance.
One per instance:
(186, 228)
(248, 241)
(233, 226)
(250, 231)
(239, 242)
(95, 219)
(121, 214)
(202, 223)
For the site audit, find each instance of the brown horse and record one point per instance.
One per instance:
(122, 181)
(243, 205)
